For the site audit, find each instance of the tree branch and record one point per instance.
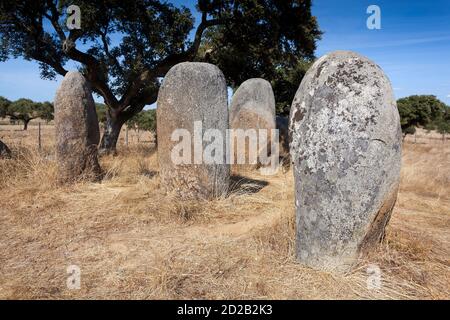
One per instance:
(94, 74)
(107, 52)
(164, 65)
(54, 19)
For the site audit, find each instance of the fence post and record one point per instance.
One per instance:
(39, 136)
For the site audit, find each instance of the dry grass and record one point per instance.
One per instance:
(131, 241)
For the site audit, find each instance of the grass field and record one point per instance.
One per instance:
(131, 241)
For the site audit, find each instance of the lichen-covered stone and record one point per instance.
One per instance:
(192, 92)
(253, 107)
(5, 153)
(77, 130)
(346, 152)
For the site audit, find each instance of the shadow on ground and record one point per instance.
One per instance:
(243, 185)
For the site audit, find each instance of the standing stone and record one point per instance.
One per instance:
(253, 107)
(193, 94)
(5, 153)
(346, 151)
(77, 130)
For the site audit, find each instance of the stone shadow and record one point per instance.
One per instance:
(243, 185)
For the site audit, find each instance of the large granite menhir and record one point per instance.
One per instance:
(192, 94)
(77, 130)
(346, 151)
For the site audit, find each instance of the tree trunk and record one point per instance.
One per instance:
(25, 124)
(111, 135)
(114, 123)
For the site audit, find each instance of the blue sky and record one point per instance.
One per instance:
(413, 46)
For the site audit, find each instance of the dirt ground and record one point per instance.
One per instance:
(131, 241)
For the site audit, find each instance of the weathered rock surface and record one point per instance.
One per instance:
(346, 151)
(193, 92)
(253, 107)
(77, 130)
(5, 153)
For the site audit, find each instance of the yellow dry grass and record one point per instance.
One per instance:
(131, 241)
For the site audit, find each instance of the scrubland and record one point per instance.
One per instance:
(132, 241)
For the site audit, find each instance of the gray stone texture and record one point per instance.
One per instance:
(346, 151)
(5, 153)
(253, 107)
(192, 92)
(77, 130)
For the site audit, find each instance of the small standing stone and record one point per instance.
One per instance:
(5, 153)
(77, 130)
(253, 107)
(193, 95)
(346, 152)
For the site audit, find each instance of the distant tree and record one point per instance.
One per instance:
(443, 127)
(245, 38)
(4, 104)
(145, 121)
(286, 82)
(26, 110)
(418, 111)
(46, 110)
(101, 109)
(442, 124)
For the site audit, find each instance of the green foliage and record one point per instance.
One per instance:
(4, 104)
(274, 40)
(46, 111)
(101, 112)
(26, 110)
(443, 127)
(409, 130)
(145, 120)
(286, 83)
(424, 111)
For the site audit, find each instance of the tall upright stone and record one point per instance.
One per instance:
(253, 107)
(193, 100)
(77, 130)
(346, 151)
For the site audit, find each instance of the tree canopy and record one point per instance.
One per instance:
(125, 47)
(423, 111)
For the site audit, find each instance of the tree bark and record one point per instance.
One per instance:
(25, 124)
(111, 135)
